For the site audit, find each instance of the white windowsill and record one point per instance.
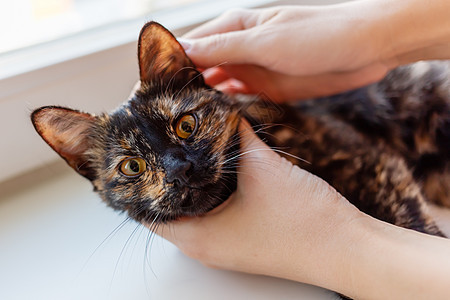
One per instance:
(55, 245)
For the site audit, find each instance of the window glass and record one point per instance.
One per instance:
(27, 22)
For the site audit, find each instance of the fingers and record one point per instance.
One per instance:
(258, 80)
(234, 38)
(249, 140)
(280, 87)
(255, 154)
(214, 76)
(231, 47)
(232, 20)
(226, 39)
(221, 80)
(232, 86)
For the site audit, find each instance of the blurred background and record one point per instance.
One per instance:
(27, 22)
(77, 53)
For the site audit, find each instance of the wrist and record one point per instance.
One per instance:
(364, 263)
(389, 262)
(408, 31)
(326, 255)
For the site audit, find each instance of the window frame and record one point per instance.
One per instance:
(82, 73)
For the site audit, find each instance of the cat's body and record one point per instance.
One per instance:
(172, 150)
(385, 147)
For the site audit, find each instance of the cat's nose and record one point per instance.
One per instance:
(178, 173)
(176, 167)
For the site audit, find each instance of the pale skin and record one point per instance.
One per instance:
(296, 52)
(283, 221)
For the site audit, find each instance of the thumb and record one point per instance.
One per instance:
(210, 51)
(253, 149)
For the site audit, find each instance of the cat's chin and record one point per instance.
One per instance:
(201, 202)
(196, 202)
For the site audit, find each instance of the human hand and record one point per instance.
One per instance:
(288, 223)
(289, 52)
(281, 221)
(294, 52)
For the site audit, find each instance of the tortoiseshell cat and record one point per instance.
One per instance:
(171, 150)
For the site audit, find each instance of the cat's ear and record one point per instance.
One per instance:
(162, 60)
(66, 131)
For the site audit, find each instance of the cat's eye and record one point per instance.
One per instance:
(133, 166)
(186, 126)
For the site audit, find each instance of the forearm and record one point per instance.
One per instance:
(370, 259)
(410, 30)
(396, 263)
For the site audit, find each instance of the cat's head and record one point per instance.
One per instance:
(166, 153)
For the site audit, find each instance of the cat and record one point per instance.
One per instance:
(172, 150)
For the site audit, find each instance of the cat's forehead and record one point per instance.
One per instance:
(171, 105)
(152, 118)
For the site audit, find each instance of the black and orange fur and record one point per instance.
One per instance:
(385, 147)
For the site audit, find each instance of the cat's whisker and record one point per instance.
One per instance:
(192, 79)
(265, 133)
(171, 81)
(266, 126)
(255, 162)
(234, 143)
(261, 166)
(108, 237)
(290, 155)
(148, 245)
(228, 145)
(236, 138)
(153, 227)
(260, 129)
(146, 263)
(137, 239)
(264, 149)
(231, 154)
(122, 253)
(235, 172)
(242, 154)
(82, 164)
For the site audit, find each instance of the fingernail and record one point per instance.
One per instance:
(185, 43)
